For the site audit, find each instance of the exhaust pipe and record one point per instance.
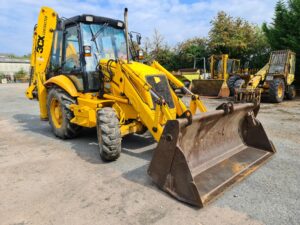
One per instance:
(126, 32)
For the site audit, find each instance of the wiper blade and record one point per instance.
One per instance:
(99, 32)
(93, 40)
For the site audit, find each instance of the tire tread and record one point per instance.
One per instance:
(109, 135)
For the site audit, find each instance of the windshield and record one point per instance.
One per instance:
(109, 43)
(277, 64)
(233, 66)
(219, 66)
(229, 66)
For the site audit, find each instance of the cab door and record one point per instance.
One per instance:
(71, 58)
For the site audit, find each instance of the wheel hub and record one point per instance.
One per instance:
(56, 113)
(280, 90)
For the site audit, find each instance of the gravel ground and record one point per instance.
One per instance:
(45, 180)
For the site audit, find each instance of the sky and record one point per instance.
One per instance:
(176, 20)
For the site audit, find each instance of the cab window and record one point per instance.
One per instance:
(56, 54)
(71, 45)
(71, 63)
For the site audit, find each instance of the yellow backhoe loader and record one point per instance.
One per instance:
(221, 67)
(84, 75)
(274, 80)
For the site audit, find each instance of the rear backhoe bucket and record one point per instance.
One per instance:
(211, 87)
(197, 162)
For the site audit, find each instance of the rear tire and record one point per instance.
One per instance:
(230, 83)
(60, 115)
(276, 90)
(109, 134)
(291, 92)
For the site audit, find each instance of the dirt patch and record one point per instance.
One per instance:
(45, 180)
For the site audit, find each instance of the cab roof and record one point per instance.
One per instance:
(86, 18)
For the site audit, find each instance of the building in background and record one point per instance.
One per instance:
(10, 66)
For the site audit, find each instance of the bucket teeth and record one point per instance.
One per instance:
(242, 95)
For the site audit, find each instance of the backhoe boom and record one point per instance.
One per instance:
(40, 57)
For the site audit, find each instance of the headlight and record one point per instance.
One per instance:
(120, 24)
(89, 19)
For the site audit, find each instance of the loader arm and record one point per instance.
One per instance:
(251, 91)
(151, 107)
(258, 77)
(151, 120)
(195, 99)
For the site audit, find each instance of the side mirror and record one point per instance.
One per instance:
(138, 38)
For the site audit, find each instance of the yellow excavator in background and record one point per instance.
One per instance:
(221, 67)
(187, 75)
(274, 80)
(83, 75)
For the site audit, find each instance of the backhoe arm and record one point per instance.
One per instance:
(40, 57)
(32, 82)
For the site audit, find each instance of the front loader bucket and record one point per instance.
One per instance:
(197, 162)
(210, 87)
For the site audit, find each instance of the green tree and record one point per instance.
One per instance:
(189, 51)
(27, 56)
(2, 75)
(284, 31)
(228, 35)
(166, 57)
(156, 48)
(174, 58)
(238, 38)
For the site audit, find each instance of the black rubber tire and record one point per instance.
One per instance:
(291, 92)
(187, 84)
(67, 129)
(230, 83)
(239, 83)
(273, 90)
(109, 134)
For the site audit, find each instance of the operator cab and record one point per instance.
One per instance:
(80, 42)
(233, 66)
(281, 61)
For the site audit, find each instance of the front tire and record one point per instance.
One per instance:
(230, 83)
(109, 134)
(276, 90)
(60, 115)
